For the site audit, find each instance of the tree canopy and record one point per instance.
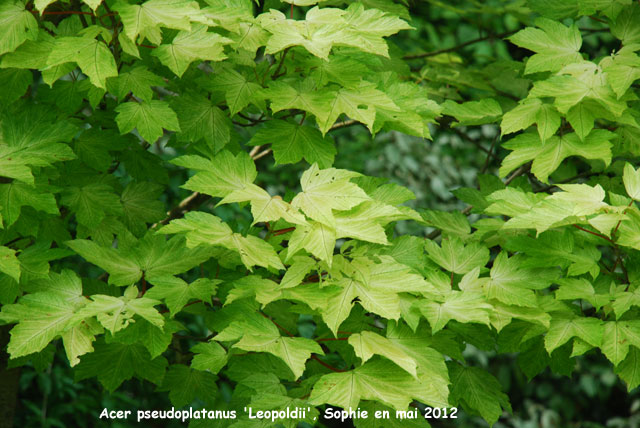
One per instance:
(148, 228)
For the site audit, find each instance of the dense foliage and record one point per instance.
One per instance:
(243, 291)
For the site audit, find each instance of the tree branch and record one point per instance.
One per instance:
(331, 339)
(460, 46)
(261, 154)
(276, 324)
(63, 12)
(343, 124)
(330, 367)
(196, 199)
(568, 180)
(517, 173)
(195, 302)
(187, 204)
(283, 231)
(254, 151)
(613, 234)
(599, 235)
(313, 356)
(277, 74)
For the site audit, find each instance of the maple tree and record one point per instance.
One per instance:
(312, 298)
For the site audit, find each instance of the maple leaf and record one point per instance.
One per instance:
(18, 26)
(358, 103)
(138, 81)
(376, 380)
(92, 56)
(290, 143)
(148, 118)
(548, 156)
(189, 46)
(555, 45)
(326, 190)
(220, 177)
(199, 118)
(258, 334)
(147, 18)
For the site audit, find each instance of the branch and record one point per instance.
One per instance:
(283, 231)
(594, 233)
(195, 199)
(251, 119)
(465, 137)
(460, 46)
(276, 324)
(254, 151)
(333, 369)
(187, 204)
(115, 41)
(613, 234)
(196, 338)
(164, 311)
(568, 180)
(344, 124)
(277, 73)
(517, 173)
(489, 154)
(313, 356)
(64, 12)
(261, 154)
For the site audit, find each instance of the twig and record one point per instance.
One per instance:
(598, 19)
(460, 46)
(489, 154)
(343, 124)
(283, 231)
(164, 311)
(244, 125)
(594, 233)
(330, 367)
(250, 119)
(626, 275)
(144, 286)
(465, 137)
(196, 338)
(331, 339)
(254, 151)
(613, 234)
(115, 40)
(276, 324)
(13, 241)
(313, 356)
(64, 12)
(277, 73)
(261, 154)
(186, 205)
(568, 180)
(292, 112)
(45, 400)
(517, 173)
(196, 199)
